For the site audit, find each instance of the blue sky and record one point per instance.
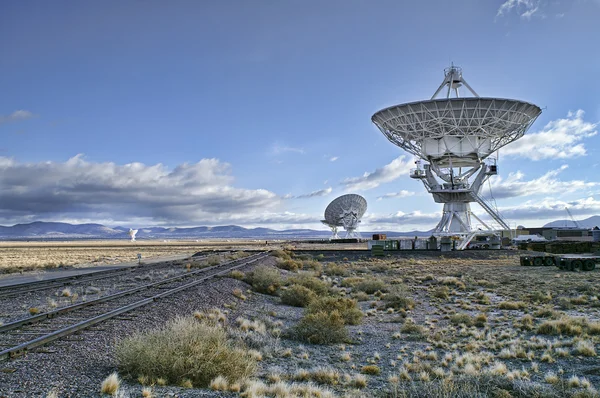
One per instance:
(258, 113)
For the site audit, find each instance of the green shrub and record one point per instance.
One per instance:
(289, 264)
(360, 296)
(185, 348)
(313, 265)
(321, 328)
(398, 298)
(282, 254)
(480, 320)
(333, 269)
(512, 305)
(264, 279)
(463, 318)
(235, 274)
(298, 296)
(371, 285)
(315, 284)
(410, 327)
(566, 325)
(347, 308)
(351, 281)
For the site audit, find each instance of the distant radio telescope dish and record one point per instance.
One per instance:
(132, 233)
(345, 211)
(451, 138)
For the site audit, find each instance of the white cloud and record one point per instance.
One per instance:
(333, 158)
(320, 192)
(525, 8)
(277, 149)
(539, 212)
(402, 194)
(401, 221)
(195, 193)
(391, 171)
(547, 184)
(559, 139)
(16, 116)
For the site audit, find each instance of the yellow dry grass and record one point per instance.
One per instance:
(22, 256)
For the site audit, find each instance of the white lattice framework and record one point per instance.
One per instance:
(479, 125)
(455, 136)
(345, 211)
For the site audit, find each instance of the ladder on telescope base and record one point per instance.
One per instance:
(490, 211)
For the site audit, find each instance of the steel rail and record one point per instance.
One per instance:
(21, 349)
(17, 289)
(51, 314)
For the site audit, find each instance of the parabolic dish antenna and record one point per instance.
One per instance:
(132, 233)
(454, 136)
(345, 211)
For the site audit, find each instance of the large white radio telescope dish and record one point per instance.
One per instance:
(453, 137)
(345, 211)
(132, 233)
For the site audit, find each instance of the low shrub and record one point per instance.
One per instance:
(347, 308)
(305, 279)
(333, 269)
(185, 349)
(321, 328)
(566, 325)
(398, 298)
(351, 281)
(371, 285)
(458, 319)
(282, 254)
(410, 327)
(512, 305)
(235, 274)
(297, 296)
(289, 264)
(371, 370)
(312, 265)
(480, 320)
(264, 279)
(442, 292)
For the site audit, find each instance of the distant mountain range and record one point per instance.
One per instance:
(40, 230)
(587, 223)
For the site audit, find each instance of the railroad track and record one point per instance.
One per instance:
(17, 336)
(34, 286)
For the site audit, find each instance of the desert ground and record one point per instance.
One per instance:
(324, 323)
(28, 256)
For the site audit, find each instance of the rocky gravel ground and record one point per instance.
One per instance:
(442, 286)
(76, 365)
(17, 307)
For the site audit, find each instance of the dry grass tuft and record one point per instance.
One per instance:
(111, 384)
(186, 348)
(566, 326)
(371, 370)
(585, 348)
(34, 311)
(512, 305)
(219, 383)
